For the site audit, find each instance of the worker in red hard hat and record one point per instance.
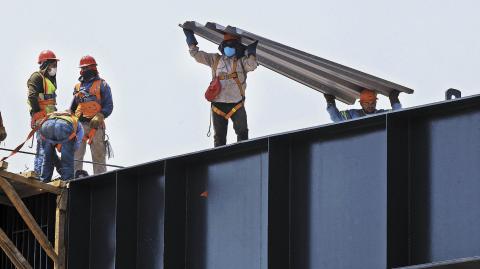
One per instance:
(92, 103)
(229, 72)
(42, 87)
(368, 102)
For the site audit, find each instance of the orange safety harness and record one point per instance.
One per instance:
(233, 75)
(89, 103)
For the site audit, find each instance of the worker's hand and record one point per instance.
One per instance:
(97, 121)
(252, 49)
(393, 96)
(329, 98)
(37, 119)
(191, 40)
(3, 133)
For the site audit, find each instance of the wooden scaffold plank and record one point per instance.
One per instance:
(31, 182)
(12, 252)
(28, 218)
(60, 220)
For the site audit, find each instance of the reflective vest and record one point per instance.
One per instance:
(47, 99)
(89, 100)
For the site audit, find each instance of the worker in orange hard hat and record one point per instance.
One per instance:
(368, 102)
(227, 90)
(42, 87)
(92, 103)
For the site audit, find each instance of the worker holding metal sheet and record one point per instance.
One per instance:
(227, 89)
(368, 102)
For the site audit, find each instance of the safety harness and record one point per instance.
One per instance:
(233, 75)
(88, 101)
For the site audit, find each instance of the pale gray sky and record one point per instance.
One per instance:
(158, 88)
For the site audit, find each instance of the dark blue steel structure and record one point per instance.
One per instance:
(395, 190)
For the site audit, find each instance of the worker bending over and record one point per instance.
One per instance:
(229, 72)
(61, 131)
(368, 101)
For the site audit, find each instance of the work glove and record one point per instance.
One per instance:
(3, 133)
(329, 98)
(97, 121)
(191, 40)
(393, 96)
(252, 48)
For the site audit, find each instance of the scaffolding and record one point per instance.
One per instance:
(15, 187)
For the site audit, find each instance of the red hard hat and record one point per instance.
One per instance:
(46, 55)
(87, 61)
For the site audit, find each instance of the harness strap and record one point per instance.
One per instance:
(228, 115)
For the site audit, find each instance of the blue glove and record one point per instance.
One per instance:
(252, 49)
(191, 40)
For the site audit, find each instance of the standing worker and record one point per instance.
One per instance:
(42, 86)
(368, 101)
(92, 104)
(3, 133)
(62, 131)
(230, 69)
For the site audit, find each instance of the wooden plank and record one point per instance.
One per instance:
(60, 221)
(28, 218)
(12, 252)
(30, 182)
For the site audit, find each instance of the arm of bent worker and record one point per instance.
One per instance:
(335, 115)
(202, 56)
(249, 63)
(35, 85)
(107, 99)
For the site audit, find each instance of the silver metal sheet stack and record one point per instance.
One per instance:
(317, 73)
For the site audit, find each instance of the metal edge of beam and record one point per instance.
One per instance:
(302, 74)
(335, 67)
(443, 264)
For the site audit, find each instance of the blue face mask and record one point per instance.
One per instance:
(229, 52)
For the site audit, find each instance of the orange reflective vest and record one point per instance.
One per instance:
(89, 101)
(47, 99)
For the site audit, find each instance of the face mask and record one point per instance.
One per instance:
(229, 52)
(52, 72)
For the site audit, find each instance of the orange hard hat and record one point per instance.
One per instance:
(87, 60)
(228, 37)
(367, 95)
(47, 55)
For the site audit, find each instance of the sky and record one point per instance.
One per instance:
(158, 88)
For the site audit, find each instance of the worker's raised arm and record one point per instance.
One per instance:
(250, 61)
(332, 109)
(199, 56)
(394, 101)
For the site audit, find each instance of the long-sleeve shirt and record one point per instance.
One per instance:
(230, 92)
(338, 116)
(106, 96)
(35, 87)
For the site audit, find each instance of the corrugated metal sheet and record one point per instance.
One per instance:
(315, 72)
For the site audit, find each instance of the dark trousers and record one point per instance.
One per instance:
(220, 124)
